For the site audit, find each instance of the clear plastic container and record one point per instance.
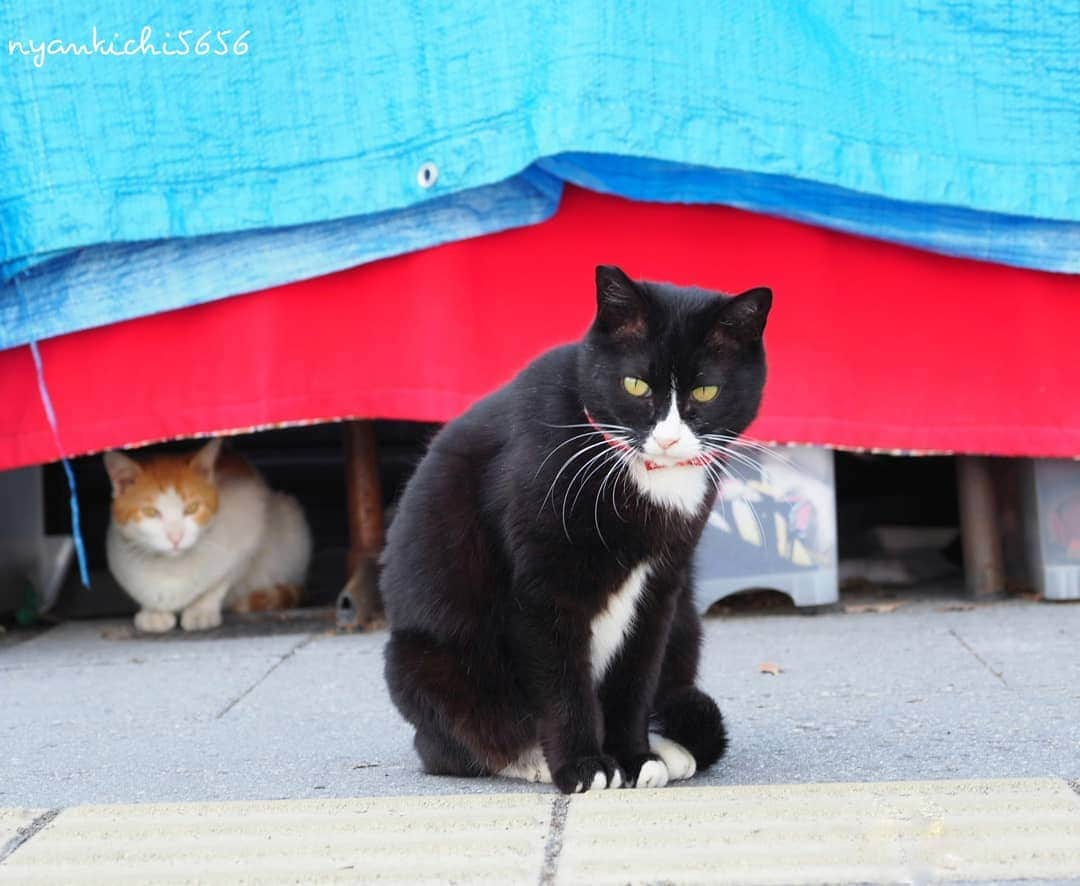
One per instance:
(1052, 521)
(773, 527)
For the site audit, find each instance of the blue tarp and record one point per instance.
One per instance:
(135, 183)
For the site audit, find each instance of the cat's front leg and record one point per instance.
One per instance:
(628, 687)
(204, 612)
(569, 736)
(552, 644)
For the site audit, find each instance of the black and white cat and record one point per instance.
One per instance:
(538, 574)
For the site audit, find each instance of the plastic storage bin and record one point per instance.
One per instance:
(1052, 519)
(32, 564)
(773, 526)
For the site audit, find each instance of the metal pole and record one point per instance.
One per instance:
(359, 604)
(984, 569)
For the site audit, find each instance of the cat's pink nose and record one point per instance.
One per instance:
(176, 538)
(666, 442)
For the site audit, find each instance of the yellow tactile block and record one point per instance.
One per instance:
(889, 832)
(408, 840)
(841, 833)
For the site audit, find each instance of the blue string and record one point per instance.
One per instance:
(50, 414)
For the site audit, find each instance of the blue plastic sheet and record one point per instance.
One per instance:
(317, 136)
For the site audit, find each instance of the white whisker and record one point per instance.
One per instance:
(600, 462)
(600, 493)
(613, 457)
(599, 458)
(584, 480)
(747, 501)
(593, 425)
(753, 444)
(740, 457)
(625, 461)
(561, 445)
(718, 479)
(565, 464)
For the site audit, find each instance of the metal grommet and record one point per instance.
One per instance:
(427, 175)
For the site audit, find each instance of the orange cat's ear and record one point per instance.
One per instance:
(205, 459)
(123, 471)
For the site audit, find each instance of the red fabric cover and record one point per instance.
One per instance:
(870, 345)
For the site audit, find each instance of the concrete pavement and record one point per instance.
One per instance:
(938, 689)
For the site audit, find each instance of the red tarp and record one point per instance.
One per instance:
(870, 345)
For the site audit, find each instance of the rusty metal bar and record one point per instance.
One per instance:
(984, 568)
(359, 603)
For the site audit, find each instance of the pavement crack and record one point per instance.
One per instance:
(26, 833)
(277, 664)
(553, 847)
(979, 658)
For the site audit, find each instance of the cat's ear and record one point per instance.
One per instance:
(621, 310)
(742, 317)
(205, 459)
(123, 471)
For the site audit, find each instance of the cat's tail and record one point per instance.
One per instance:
(279, 596)
(692, 719)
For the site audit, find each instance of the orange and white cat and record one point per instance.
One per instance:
(193, 534)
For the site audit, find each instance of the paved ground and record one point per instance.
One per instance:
(90, 714)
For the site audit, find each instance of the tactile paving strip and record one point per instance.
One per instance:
(889, 832)
(842, 833)
(410, 840)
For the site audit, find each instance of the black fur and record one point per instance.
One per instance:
(496, 564)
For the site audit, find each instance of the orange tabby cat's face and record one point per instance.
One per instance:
(165, 503)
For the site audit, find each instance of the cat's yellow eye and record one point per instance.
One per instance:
(635, 387)
(191, 507)
(705, 393)
(151, 512)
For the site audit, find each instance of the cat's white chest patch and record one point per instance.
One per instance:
(681, 488)
(611, 625)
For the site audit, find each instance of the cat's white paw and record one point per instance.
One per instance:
(198, 618)
(679, 761)
(592, 773)
(154, 622)
(653, 774)
(600, 781)
(530, 766)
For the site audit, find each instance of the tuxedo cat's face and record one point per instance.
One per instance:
(164, 505)
(673, 373)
